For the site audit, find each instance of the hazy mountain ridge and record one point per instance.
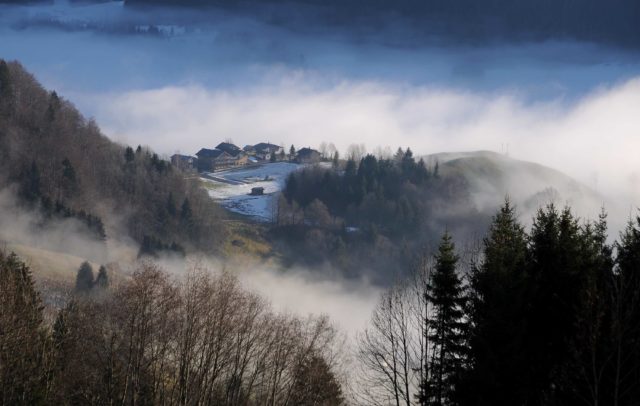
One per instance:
(376, 216)
(492, 177)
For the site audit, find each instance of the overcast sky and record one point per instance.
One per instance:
(567, 105)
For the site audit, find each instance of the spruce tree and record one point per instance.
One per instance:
(129, 155)
(497, 312)
(626, 317)
(102, 280)
(590, 347)
(556, 285)
(84, 278)
(446, 296)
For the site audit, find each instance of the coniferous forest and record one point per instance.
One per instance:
(371, 213)
(546, 316)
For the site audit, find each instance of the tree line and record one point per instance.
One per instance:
(369, 213)
(545, 317)
(202, 340)
(60, 164)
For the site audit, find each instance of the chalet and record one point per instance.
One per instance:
(184, 162)
(229, 148)
(210, 159)
(265, 150)
(308, 156)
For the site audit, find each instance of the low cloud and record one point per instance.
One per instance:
(594, 139)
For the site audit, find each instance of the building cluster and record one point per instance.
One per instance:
(227, 155)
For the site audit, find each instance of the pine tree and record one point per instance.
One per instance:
(84, 278)
(446, 296)
(292, 152)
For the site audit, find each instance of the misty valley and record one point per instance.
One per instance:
(214, 202)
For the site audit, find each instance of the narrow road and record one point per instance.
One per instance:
(222, 180)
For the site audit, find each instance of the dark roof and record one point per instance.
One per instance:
(181, 157)
(228, 147)
(307, 152)
(266, 147)
(209, 153)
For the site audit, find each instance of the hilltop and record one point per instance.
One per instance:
(378, 216)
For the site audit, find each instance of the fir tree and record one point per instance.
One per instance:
(497, 312)
(626, 317)
(129, 155)
(84, 278)
(446, 332)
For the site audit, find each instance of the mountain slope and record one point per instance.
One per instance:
(61, 168)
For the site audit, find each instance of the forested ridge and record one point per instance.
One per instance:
(59, 164)
(371, 213)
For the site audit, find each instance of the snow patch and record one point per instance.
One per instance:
(231, 188)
